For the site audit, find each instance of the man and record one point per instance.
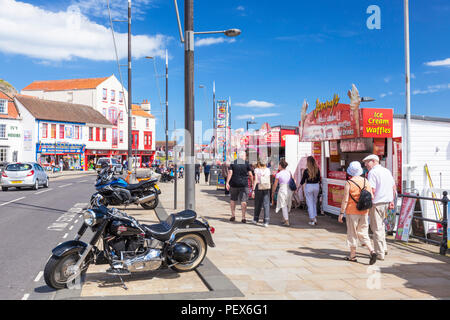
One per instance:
(224, 168)
(206, 170)
(197, 172)
(237, 184)
(384, 191)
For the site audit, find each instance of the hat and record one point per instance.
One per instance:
(372, 157)
(354, 169)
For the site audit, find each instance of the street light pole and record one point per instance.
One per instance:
(214, 119)
(167, 111)
(189, 104)
(408, 98)
(130, 99)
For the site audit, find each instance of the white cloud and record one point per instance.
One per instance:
(439, 63)
(264, 115)
(210, 41)
(387, 79)
(119, 8)
(390, 93)
(57, 36)
(240, 8)
(255, 104)
(432, 89)
(413, 76)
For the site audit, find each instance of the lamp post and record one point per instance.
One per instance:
(251, 122)
(189, 94)
(408, 97)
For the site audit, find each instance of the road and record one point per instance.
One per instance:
(32, 222)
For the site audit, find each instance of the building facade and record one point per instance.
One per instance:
(11, 135)
(143, 133)
(59, 133)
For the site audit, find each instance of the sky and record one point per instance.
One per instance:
(288, 51)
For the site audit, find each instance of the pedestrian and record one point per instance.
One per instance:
(384, 192)
(224, 169)
(311, 176)
(261, 185)
(284, 197)
(356, 220)
(237, 184)
(206, 170)
(197, 172)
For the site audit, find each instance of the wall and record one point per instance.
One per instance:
(29, 126)
(14, 138)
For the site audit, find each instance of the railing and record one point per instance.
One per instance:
(443, 222)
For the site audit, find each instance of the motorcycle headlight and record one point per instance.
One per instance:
(89, 217)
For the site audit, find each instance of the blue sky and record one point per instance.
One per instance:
(288, 51)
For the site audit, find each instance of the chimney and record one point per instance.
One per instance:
(146, 106)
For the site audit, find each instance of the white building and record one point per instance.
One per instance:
(143, 132)
(105, 95)
(11, 135)
(58, 133)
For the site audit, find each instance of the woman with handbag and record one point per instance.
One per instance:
(357, 220)
(261, 187)
(284, 197)
(311, 176)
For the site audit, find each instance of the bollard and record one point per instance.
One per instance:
(444, 244)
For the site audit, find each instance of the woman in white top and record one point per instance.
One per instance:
(261, 187)
(284, 198)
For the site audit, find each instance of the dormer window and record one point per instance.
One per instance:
(3, 106)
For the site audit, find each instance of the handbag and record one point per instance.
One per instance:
(292, 184)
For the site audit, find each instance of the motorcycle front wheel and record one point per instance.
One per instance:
(199, 246)
(57, 271)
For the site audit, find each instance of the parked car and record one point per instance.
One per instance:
(111, 162)
(28, 174)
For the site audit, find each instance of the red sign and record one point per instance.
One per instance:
(379, 146)
(335, 195)
(338, 175)
(285, 132)
(377, 123)
(317, 152)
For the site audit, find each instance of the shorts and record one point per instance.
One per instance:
(239, 193)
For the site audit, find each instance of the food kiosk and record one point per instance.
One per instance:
(342, 133)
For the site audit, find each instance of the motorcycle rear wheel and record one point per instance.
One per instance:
(56, 271)
(151, 204)
(198, 243)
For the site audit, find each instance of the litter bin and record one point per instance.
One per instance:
(214, 176)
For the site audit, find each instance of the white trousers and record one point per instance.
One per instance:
(311, 194)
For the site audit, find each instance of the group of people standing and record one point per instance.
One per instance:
(379, 184)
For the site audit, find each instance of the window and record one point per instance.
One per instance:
(121, 136)
(97, 134)
(120, 96)
(3, 152)
(91, 134)
(147, 140)
(113, 95)
(104, 134)
(70, 96)
(3, 106)
(2, 131)
(114, 138)
(104, 112)
(53, 131)
(77, 132)
(44, 130)
(147, 123)
(134, 122)
(61, 131)
(121, 115)
(105, 94)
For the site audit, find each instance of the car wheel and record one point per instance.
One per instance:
(4, 189)
(36, 185)
(46, 183)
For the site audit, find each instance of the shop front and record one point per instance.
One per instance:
(62, 156)
(341, 134)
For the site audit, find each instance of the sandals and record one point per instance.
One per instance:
(232, 218)
(351, 259)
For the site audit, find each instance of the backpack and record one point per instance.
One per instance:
(264, 184)
(365, 198)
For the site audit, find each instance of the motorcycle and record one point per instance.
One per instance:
(116, 191)
(179, 243)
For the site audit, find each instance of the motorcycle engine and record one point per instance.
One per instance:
(124, 245)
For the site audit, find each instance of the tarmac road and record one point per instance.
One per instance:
(32, 222)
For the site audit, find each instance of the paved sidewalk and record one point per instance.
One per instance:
(306, 262)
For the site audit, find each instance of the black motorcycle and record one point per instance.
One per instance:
(179, 243)
(116, 191)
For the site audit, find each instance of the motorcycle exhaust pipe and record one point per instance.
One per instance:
(147, 198)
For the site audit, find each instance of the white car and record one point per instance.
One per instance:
(27, 174)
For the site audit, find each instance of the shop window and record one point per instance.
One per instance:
(97, 134)
(105, 94)
(53, 131)
(3, 106)
(91, 134)
(44, 130)
(3, 153)
(104, 134)
(61, 131)
(2, 131)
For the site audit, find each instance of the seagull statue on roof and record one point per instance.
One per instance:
(355, 101)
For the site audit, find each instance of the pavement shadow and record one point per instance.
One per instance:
(326, 254)
(44, 289)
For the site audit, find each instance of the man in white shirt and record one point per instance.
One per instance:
(384, 190)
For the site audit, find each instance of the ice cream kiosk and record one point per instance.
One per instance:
(342, 133)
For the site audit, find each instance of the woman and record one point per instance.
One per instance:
(261, 187)
(311, 176)
(357, 221)
(284, 198)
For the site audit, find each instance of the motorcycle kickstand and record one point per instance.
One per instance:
(123, 283)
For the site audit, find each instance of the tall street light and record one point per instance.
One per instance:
(189, 94)
(408, 98)
(251, 122)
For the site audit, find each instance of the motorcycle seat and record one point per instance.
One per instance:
(162, 231)
(138, 185)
